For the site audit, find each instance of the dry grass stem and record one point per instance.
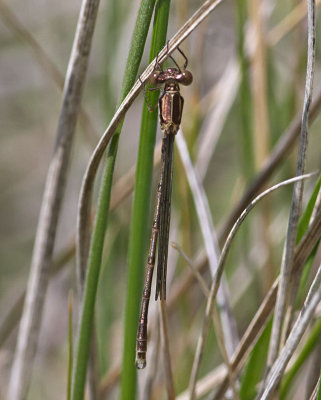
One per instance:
(168, 372)
(210, 240)
(296, 206)
(51, 204)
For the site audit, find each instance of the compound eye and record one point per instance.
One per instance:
(154, 78)
(187, 78)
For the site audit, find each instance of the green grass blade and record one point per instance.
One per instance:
(140, 217)
(255, 366)
(95, 255)
(309, 346)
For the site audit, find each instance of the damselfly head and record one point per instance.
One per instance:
(171, 75)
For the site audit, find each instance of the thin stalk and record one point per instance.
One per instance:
(140, 216)
(211, 244)
(95, 255)
(168, 371)
(51, 204)
(70, 344)
(296, 205)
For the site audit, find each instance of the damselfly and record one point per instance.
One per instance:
(170, 113)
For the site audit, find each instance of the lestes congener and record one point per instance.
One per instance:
(170, 114)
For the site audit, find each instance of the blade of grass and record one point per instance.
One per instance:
(211, 243)
(140, 216)
(95, 256)
(51, 204)
(309, 346)
(168, 370)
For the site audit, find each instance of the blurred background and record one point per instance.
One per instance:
(249, 65)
